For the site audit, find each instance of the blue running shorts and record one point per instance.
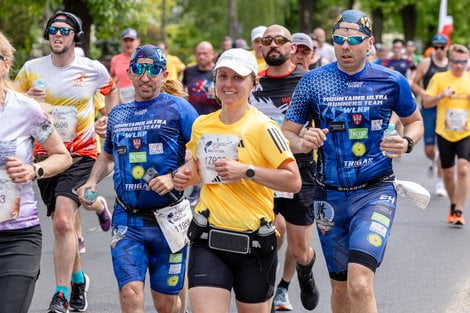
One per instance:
(429, 120)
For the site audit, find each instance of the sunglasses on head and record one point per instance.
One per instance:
(139, 68)
(352, 40)
(459, 61)
(439, 47)
(278, 40)
(64, 31)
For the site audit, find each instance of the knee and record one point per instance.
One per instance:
(131, 296)
(300, 252)
(360, 288)
(462, 170)
(449, 173)
(62, 224)
(430, 152)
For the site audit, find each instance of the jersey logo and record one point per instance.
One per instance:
(337, 126)
(79, 81)
(375, 124)
(278, 140)
(241, 144)
(357, 118)
(137, 143)
(217, 180)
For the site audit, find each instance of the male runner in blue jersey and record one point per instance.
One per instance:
(351, 102)
(148, 133)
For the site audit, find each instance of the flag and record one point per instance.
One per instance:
(446, 22)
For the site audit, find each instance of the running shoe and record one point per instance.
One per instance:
(309, 294)
(451, 217)
(78, 295)
(281, 300)
(104, 217)
(440, 189)
(81, 245)
(458, 218)
(430, 171)
(58, 304)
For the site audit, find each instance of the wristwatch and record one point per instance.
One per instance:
(250, 172)
(38, 171)
(411, 144)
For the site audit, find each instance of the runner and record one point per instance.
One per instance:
(145, 144)
(65, 84)
(351, 102)
(239, 154)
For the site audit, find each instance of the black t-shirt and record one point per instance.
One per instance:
(198, 83)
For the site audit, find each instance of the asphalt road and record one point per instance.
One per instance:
(426, 267)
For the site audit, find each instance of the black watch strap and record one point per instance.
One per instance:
(411, 144)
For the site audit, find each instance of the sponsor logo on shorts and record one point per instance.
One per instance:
(324, 215)
(383, 209)
(378, 228)
(175, 269)
(358, 149)
(387, 199)
(176, 258)
(376, 124)
(118, 233)
(358, 133)
(137, 157)
(156, 148)
(356, 118)
(172, 281)
(381, 219)
(137, 172)
(375, 240)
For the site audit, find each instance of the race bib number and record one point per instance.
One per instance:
(65, 119)
(174, 222)
(283, 194)
(9, 198)
(456, 119)
(210, 149)
(127, 94)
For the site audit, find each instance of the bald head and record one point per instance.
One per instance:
(204, 56)
(275, 29)
(320, 34)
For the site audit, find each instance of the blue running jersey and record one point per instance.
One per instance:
(146, 134)
(356, 109)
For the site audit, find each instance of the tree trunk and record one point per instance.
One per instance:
(305, 16)
(233, 19)
(377, 24)
(80, 9)
(409, 16)
(163, 27)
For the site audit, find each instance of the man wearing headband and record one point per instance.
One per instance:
(351, 102)
(66, 84)
(145, 143)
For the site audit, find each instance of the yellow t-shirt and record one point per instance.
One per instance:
(452, 122)
(99, 102)
(261, 62)
(174, 66)
(258, 141)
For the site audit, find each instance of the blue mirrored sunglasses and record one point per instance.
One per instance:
(139, 69)
(352, 40)
(64, 31)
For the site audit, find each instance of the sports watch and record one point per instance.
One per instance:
(38, 171)
(411, 144)
(250, 172)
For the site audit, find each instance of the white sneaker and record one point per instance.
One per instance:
(431, 169)
(441, 190)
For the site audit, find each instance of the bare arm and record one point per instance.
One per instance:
(186, 175)
(432, 101)
(312, 138)
(111, 99)
(417, 77)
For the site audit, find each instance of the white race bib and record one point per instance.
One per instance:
(9, 198)
(456, 119)
(211, 148)
(174, 222)
(283, 194)
(127, 94)
(65, 119)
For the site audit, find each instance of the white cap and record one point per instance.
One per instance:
(257, 32)
(239, 60)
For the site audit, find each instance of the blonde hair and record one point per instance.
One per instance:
(458, 49)
(174, 87)
(8, 53)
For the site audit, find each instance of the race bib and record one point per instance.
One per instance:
(456, 119)
(213, 147)
(65, 119)
(127, 94)
(174, 222)
(9, 198)
(283, 194)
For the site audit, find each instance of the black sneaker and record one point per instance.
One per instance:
(78, 299)
(58, 304)
(309, 294)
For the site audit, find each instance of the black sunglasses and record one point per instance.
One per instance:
(459, 61)
(278, 40)
(439, 47)
(64, 31)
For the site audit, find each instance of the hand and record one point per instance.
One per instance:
(313, 138)
(447, 92)
(87, 204)
(394, 146)
(100, 126)
(182, 178)
(228, 169)
(18, 172)
(161, 184)
(37, 93)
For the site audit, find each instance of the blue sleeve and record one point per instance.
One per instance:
(300, 106)
(188, 116)
(406, 104)
(108, 141)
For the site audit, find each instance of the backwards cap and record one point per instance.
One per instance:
(149, 52)
(357, 17)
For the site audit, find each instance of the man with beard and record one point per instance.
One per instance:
(66, 83)
(272, 97)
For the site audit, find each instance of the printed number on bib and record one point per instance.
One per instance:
(9, 198)
(210, 149)
(65, 119)
(456, 119)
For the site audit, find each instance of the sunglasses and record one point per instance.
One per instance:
(352, 40)
(278, 40)
(459, 61)
(138, 69)
(2, 58)
(64, 31)
(439, 47)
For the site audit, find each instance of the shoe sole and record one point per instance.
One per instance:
(87, 286)
(282, 308)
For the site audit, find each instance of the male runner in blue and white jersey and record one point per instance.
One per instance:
(149, 219)
(351, 102)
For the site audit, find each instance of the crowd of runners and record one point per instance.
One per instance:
(270, 141)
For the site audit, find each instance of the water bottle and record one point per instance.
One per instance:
(90, 195)
(199, 227)
(279, 120)
(389, 132)
(39, 83)
(266, 237)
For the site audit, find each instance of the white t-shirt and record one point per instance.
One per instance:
(327, 51)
